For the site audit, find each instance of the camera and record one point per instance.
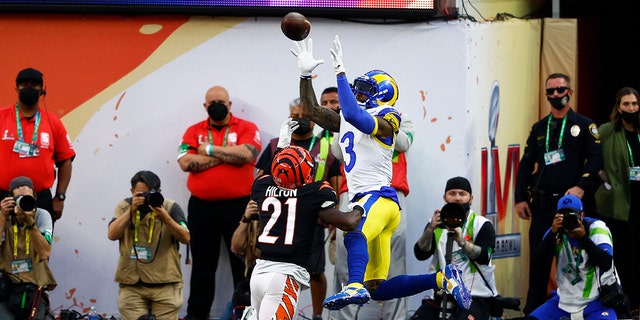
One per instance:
(499, 303)
(153, 198)
(25, 202)
(452, 216)
(570, 220)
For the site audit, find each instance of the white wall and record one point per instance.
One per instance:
(444, 71)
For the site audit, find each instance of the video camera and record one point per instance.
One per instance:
(25, 202)
(153, 198)
(452, 216)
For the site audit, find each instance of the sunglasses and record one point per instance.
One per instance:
(560, 90)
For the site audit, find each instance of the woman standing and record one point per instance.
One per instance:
(618, 198)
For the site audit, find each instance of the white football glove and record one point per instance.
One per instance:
(352, 206)
(336, 55)
(288, 127)
(304, 52)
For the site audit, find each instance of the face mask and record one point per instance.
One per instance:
(630, 117)
(466, 206)
(303, 127)
(217, 111)
(559, 102)
(29, 96)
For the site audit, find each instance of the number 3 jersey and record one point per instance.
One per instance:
(288, 218)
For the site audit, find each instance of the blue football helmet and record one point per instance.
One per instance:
(379, 88)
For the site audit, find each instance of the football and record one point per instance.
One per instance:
(295, 26)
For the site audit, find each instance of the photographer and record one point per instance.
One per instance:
(459, 236)
(584, 263)
(149, 229)
(24, 252)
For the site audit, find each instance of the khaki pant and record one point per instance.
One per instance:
(164, 301)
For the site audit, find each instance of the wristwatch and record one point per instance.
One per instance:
(61, 196)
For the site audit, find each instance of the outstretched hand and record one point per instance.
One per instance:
(336, 56)
(304, 52)
(287, 128)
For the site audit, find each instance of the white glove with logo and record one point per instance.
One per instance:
(288, 127)
(304, 52)
(336, 55)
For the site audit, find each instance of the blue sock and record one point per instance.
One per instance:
(357, 255)
(404, 286)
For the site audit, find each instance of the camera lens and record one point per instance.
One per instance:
(570, 220)
(452, 215)
(154, 198)
(26, 202)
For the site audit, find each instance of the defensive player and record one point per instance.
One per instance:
(367, 137)
(289, 205)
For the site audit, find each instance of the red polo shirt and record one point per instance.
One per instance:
(52, 140)
(224, 181)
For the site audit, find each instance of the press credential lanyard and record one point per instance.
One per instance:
(27, 240)
(631, 153)
(137, 225)
(34, 138)
(224, 142)
(546, 141)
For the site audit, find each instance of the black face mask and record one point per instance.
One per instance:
(630, 117)
(29, 96)
(559, 102)
(217, 111)
(303, 127)
(466, 206)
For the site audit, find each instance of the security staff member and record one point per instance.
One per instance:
(35, 143)
(565, 146)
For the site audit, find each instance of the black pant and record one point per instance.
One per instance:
(543, 209)
(210, 222)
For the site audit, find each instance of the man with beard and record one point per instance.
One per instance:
(218, 153)
(562, 156)
(35, 143)
(469, 243)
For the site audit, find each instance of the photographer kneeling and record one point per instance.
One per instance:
(583, 251)
(24, 252)
(459, 236)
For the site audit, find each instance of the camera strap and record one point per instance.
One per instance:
(482, 276)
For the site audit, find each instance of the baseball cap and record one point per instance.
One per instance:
(458, 183)
(570, 202)
(29, 74)
(19, 182)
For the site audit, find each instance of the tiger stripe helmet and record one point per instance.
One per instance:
(292, 167)
(379, 88)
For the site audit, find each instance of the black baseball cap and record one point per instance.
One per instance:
(29, 74)
(458, 183)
